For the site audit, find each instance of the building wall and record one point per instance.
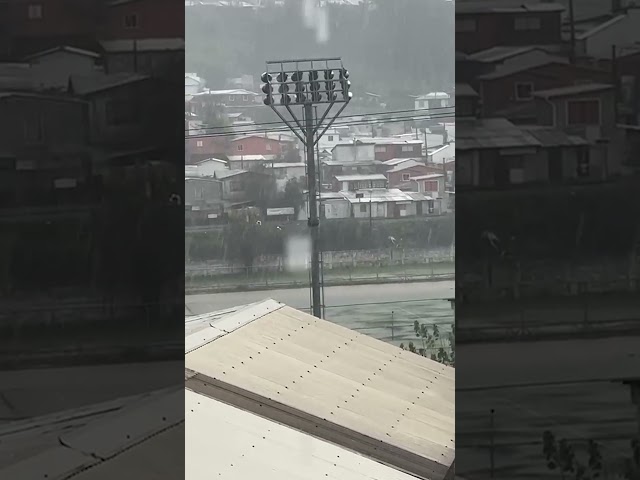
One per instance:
(57, 67)
(258, 146)
(202, 192)
(395, 151)
(378, 210)
(63, 122)
(498, 29)
(155, 63)
(500, 93)
(607, 114)
(205, 147)
(155, 19)
(336, 208)
(354, 153)
(208, 169)
(620, 33)
(396, 178)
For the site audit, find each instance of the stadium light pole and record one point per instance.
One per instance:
(296, 87)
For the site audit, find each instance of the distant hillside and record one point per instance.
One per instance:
(396, 47)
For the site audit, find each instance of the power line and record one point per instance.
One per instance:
(368, 122)
(280, 122)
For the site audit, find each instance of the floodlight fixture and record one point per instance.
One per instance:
(308, 83)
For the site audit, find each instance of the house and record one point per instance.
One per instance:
(345, 443)
(387, 203)
(122, 108)
(231, 98)
(495, 153)
(353, 151)
(432, 184)
(236, 185)
(388, 148)
(481, 25)
(157, 57)
(31, 27)
(620, 30)
(627, 67)
(193, 84)
(203, 200)
(208, 167)
(587, 110)
(201, 147)
(442, 154)
(508, 91)
(143, 19)
(491, 59)
(401, 174)
(261, 145)
(330, 168)
(53, 67)
(350, 183)
(329, 140)
(44, 134)
(283, 172)
(433, 100)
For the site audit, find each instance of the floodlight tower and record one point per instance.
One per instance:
(295, 87)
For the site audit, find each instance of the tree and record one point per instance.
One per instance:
(293, 195)
(261, 188)
(560, 456)
(434, 345)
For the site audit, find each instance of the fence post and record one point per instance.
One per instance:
(392, 329)
(491, 443)
(431, 262)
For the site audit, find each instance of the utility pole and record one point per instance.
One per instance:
(615, 80)
(313, 221)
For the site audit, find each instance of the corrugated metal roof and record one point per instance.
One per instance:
(522, 66)
(145, 44)
(377, 195)
(280, 211)
(221, 174)
(397, 161)
(497, 54)
(493, 133)
(330, 372)
(428, 177)
(465, 90)
(550, 137)
(405, 165)
(572, 90)
(246, 446)
(363, 177)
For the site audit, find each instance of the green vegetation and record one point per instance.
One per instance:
(563, 457)
(434, 345)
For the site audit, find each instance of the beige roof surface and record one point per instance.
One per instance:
(246, 446)
(334, 374)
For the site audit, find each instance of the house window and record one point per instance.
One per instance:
(583, 164)
(526, 23)
(524, 91)
(268, 147)
(232, 98)
(466, 25)
(407, 148)
(430, 185)
(35, 11)
(380, 149)
(240, 147)
(330, 138)
(34, 129)
(131, 21)
(199, 143)
(583, 112)
(363, 208)
(245, 98)
(378, 184)
(235, 186)
(405, 177)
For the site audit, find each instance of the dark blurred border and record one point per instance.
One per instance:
(548, 238)
(91, 213)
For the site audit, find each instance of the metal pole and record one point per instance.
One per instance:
(492, 445)
(572, 52)
(313, 212)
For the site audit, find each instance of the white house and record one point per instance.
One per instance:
(354, 151)
(193, 83)
(283, 172)
(621, 30)
(54, 66)
(442, 154)
(329, 140)
(209, 166)
(432, 100)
